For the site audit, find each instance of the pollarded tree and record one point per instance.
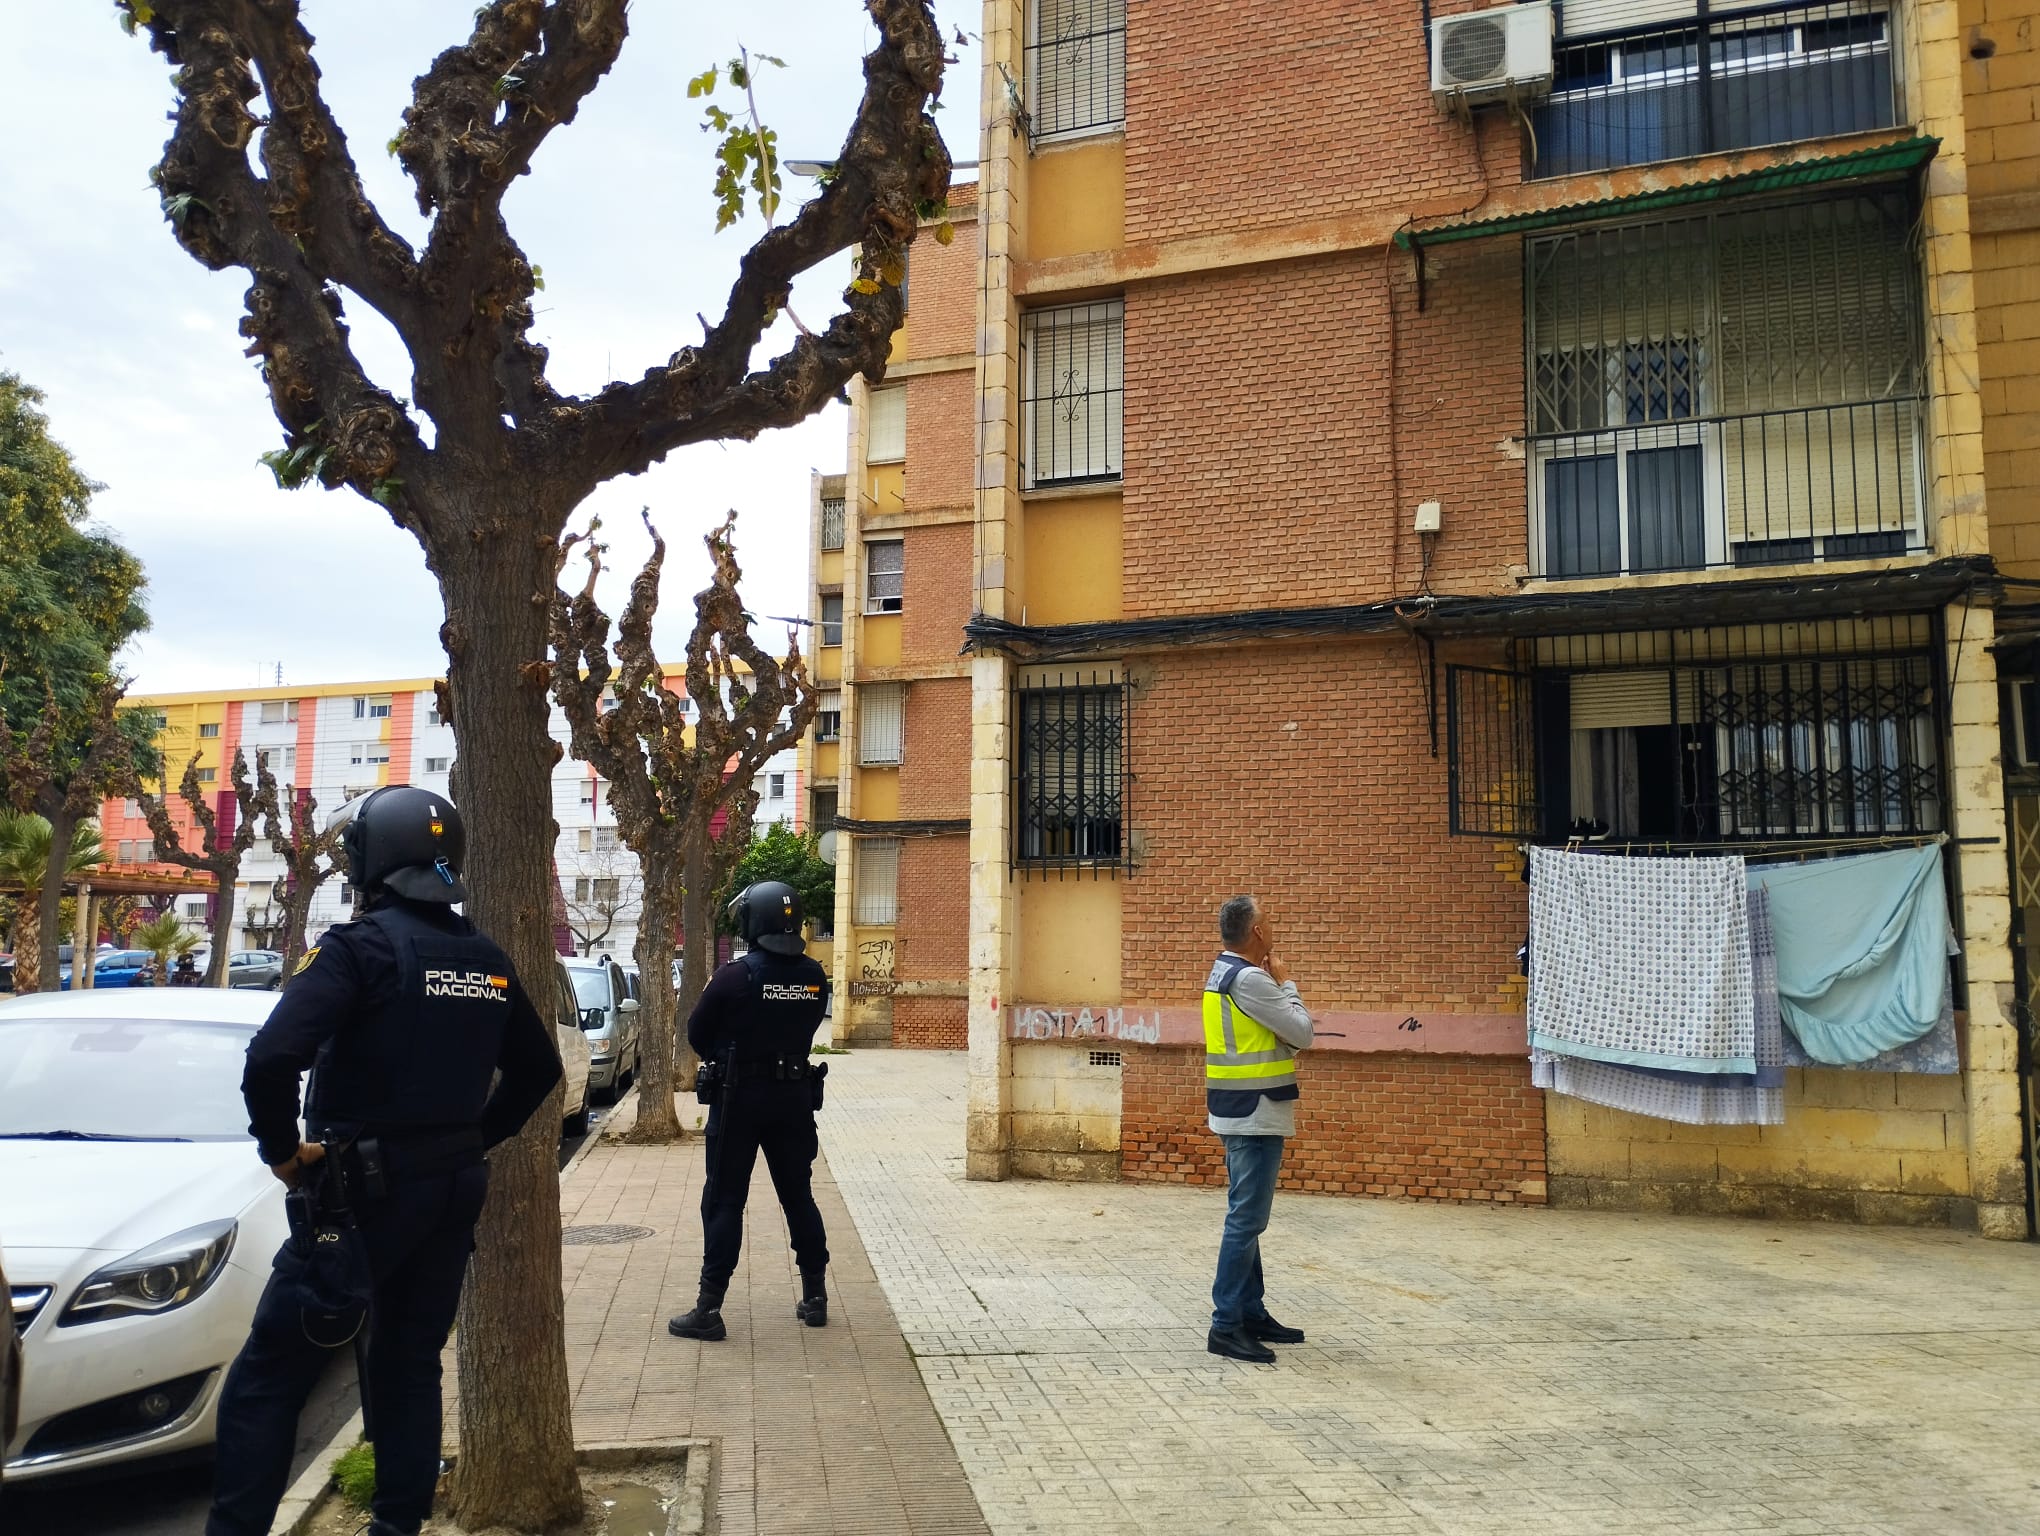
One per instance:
(487, 493)
(684, 794)
(219, 851)
(310, 854)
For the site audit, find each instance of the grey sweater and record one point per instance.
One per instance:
(1282, 1010)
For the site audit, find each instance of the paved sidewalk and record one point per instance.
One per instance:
(1469, 1370)
(821, 1429)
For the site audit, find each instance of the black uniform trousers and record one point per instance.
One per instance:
(418, 1237)
(778, 1119)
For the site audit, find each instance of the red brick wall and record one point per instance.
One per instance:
(942, 285)
(941, 441)
(1326, 111)
(929, 1024)
(1414, 1127)
(936, 603)
(935, 778)
(1257, 466)
(1303, 774)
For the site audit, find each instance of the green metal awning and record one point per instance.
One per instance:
(1880, 160)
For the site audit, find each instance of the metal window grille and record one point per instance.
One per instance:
(1071, 770)
(1727, 389)
(1072, 409)
(832, 619)
(881, 723)
(1076, 67)
(1105, 1059)
(885, 576)
(825, 810)
(832, 522)
(886, 429)
(875, 895)
(1710, 83)
(1817, 729)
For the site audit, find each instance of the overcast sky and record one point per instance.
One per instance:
(136, 346)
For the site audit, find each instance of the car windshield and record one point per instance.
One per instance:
(591, 987)
(136, 1079)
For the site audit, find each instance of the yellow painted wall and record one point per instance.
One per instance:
(829, 568)
(1065, 1113)
(1069, 941)
(828, 761)
(829, 664)
(1877, 1132)
(1076, 199)
(878, 794)
(885, 488)
(1074, 560)
(878, 640)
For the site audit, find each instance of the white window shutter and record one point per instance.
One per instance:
(876, 884)
(886, 428)
(881, 711)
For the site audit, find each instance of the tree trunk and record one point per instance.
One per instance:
(297, 916)
(222, 929)
(659, 1022)
(28, 971)
(49, 900)
(516, 1464)
(697, 930)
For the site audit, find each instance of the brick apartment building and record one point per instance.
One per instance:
(1375, 477)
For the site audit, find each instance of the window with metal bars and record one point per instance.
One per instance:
(1727, 389)
(1625, 94)
(1072, 367)
(1071, 772)
(1732, 736)
(832, 522)
(1076, 68)
(885, 576)
(875, 882)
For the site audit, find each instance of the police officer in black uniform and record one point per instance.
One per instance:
(752, 1030)
(404, 1017)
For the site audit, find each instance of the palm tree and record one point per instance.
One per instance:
(24, 861)
(166, 938)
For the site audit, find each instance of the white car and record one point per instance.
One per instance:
(576, 1056)
(137, 1221)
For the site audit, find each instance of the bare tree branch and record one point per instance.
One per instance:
(220, 858)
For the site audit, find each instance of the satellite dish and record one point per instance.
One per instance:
(825, 846)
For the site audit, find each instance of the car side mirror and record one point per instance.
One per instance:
(591, 1018)
(628, 1005)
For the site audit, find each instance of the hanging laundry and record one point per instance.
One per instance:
(1863, 948)
(1644, 962)
(1692, 1098)
(1934, 1053)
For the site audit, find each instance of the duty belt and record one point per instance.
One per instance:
(781, 1070)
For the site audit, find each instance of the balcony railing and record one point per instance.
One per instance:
(1838, 482)
(1730, 82)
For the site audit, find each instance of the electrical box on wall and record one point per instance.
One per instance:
(1429, 516)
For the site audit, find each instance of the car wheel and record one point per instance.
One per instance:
(276, 985)
(576, 1124)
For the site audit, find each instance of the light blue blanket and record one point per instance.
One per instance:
(1862, 949)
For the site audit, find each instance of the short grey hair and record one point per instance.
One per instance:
(1236, 919)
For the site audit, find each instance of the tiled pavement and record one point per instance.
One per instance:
(821, 1429)
(1469, 1370)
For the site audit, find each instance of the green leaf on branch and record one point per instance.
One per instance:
(945, 233)
(864, 285)
(177, 206)
(538, 277)
(386, 490)
(702, 84)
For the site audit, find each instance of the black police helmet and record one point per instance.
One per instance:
(768, 916)
(404, 840)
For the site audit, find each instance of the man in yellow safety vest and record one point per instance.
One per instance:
(1254, 1024)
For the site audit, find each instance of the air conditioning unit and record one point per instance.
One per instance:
(1498, 55)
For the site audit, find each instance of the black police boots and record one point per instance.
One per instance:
(704, 1322)
(813, 1306)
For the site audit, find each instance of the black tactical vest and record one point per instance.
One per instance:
(785, 1009)
(426, 1057)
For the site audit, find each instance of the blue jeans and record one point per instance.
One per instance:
(1252, 1164)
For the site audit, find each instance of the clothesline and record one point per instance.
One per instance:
(1776, 848)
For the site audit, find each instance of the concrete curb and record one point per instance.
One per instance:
(301, 1502)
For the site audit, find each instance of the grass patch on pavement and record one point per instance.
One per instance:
(354, 1474)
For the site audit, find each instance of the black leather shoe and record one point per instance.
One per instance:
(701, 1323)
(1237, 1344)
(1268, 1331)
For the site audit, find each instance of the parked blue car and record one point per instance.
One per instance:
(117, 968)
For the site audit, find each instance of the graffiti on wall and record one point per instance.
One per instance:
(874, 976)
(1035, 1022)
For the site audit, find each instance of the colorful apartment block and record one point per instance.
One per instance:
(337, 741)
(1388, 445)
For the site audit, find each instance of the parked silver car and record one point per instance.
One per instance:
(261, 969)
(609, 1019)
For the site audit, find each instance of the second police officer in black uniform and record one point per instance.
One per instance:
(753, 1029)
(404, 1016)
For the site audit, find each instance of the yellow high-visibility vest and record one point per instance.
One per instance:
(1241, 1054)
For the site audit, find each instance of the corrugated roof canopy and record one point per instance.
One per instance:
(1880, 160)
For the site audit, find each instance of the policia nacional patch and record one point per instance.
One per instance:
(305, 961)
